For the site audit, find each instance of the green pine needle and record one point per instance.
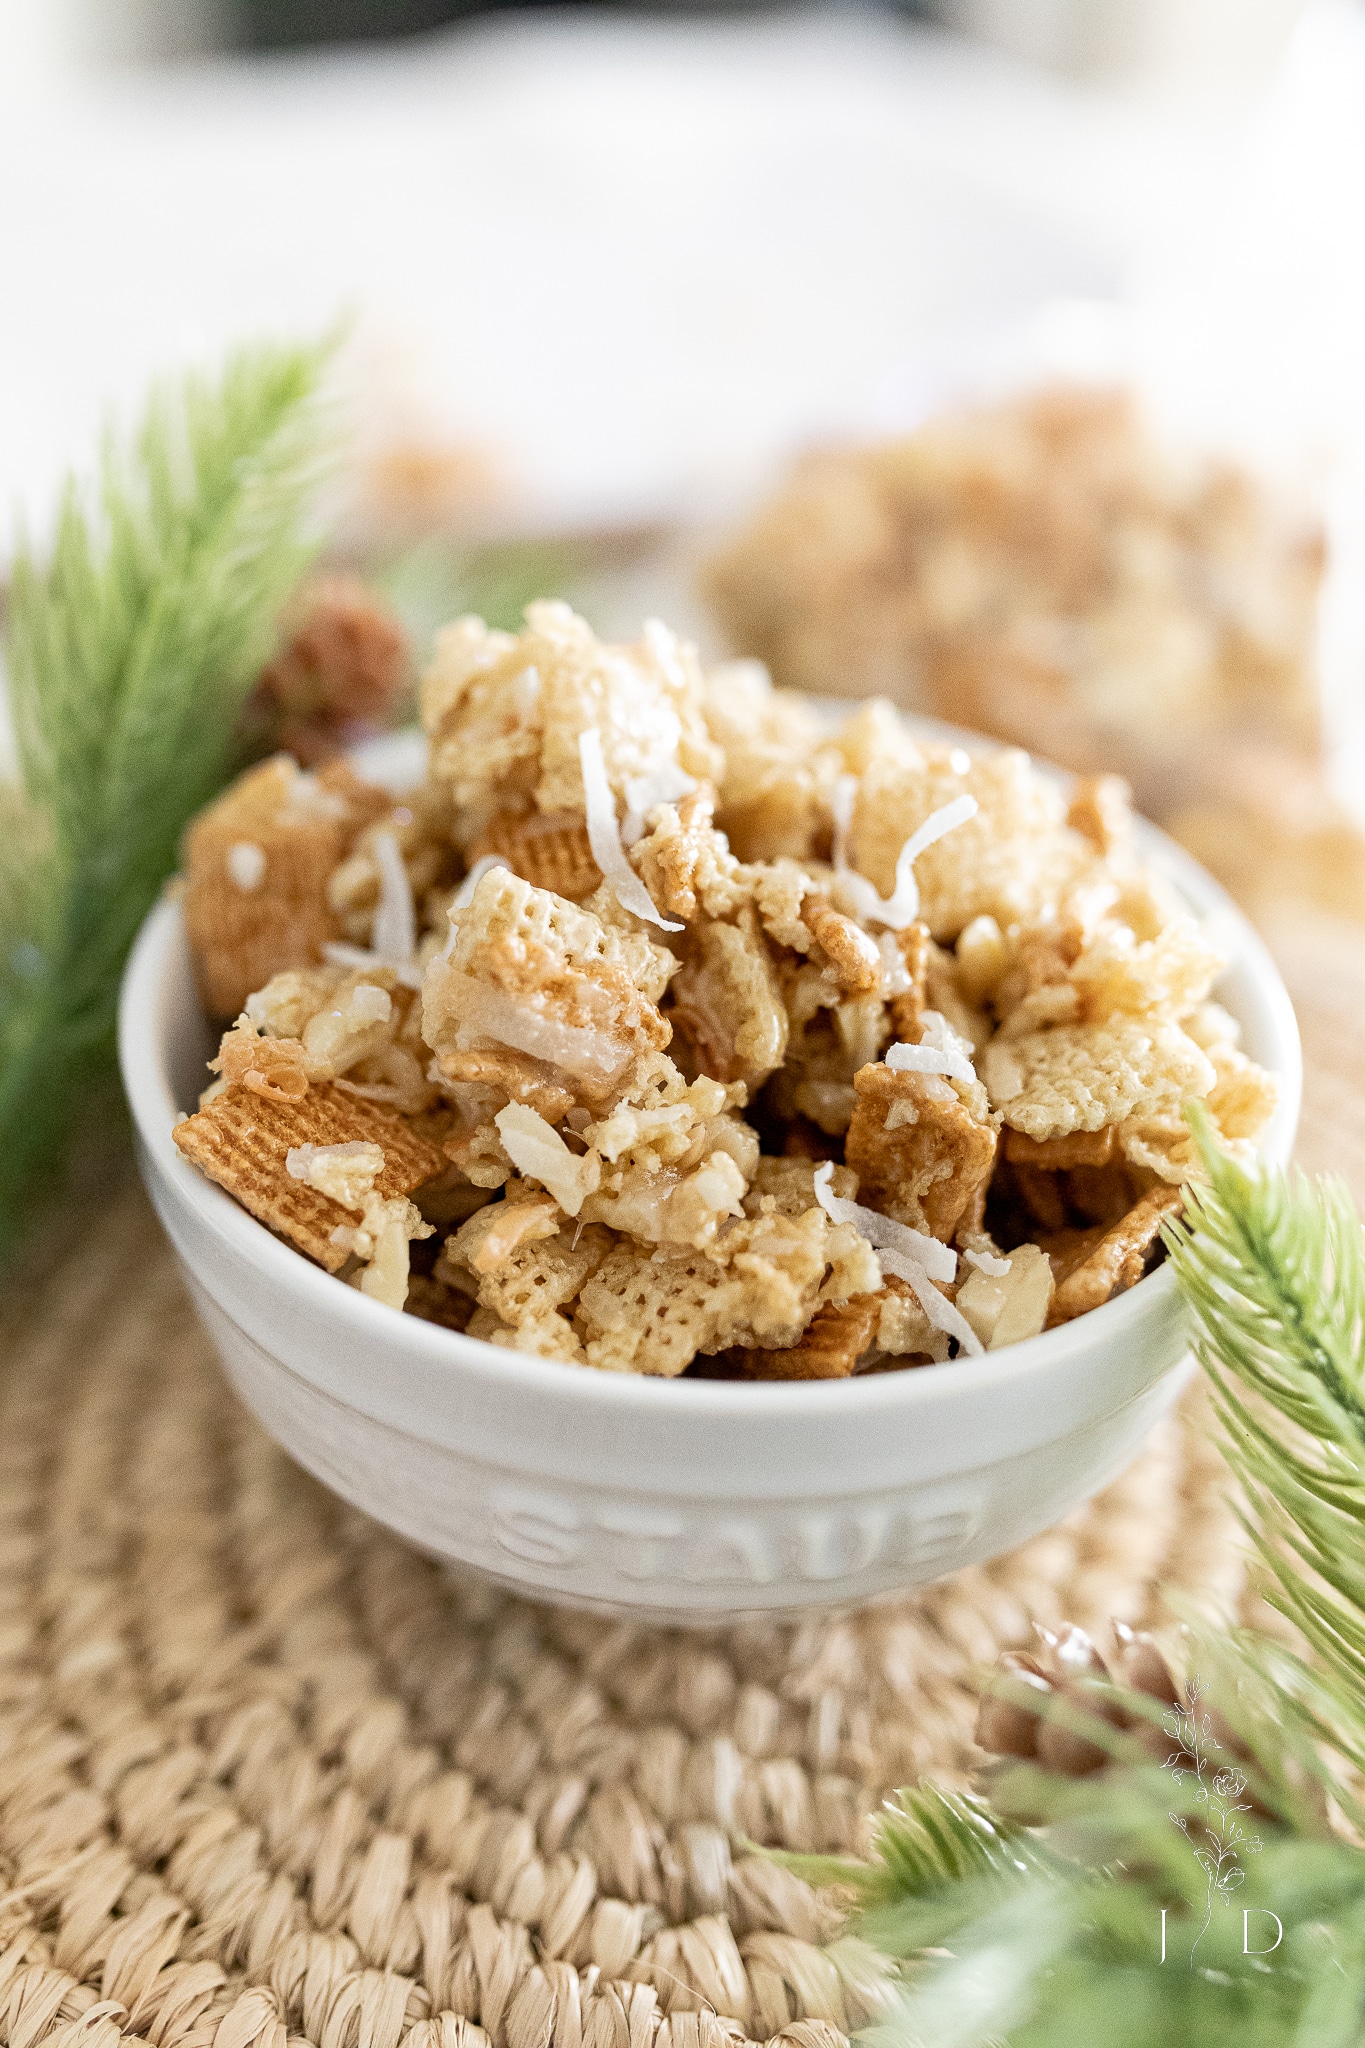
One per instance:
(130, 654)
(1275, 1274)
(937, 1857)
(1054, 1927)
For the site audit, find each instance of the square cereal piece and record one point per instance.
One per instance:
(1118, 1261)
(532, 973)
(505, 712)
(765, 1280)
(828, 1348)
(918, 1158)
(242, 1140)
(1080, 1148)
(1012, 858)
(1241, 1103)
(1080, 1077)
(548, 849)
(257, 863)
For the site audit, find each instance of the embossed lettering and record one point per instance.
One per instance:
(831, 1546)
(734, 1553)
(538, 1528)
(921, 1537)
(645, 1533)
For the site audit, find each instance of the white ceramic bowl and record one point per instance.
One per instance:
(686, 1500)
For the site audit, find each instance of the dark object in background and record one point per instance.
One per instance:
(291, 24)
(337, 678)
(294, 24)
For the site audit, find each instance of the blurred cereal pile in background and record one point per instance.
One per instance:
(1040, 568)
(1000, 357)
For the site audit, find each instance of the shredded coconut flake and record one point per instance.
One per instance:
(536, 1149)
(937, 1261)
(858, 894)
(987, 1262)
(909, 1254)
(338, 954)
(929, 1059)
(643, 792)
(942, 1313)
(604, 835)
(394, 933)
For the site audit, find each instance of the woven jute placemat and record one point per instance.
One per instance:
(265, 1774)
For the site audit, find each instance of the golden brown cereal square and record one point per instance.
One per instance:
(257, 863)
(1078, 1148)
(1119, 1260)
(241, 1140)
(548, 849)
(1079, 1077)
(534, 973)
(925, 1171)
(828, 1348)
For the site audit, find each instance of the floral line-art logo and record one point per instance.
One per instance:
(1216, 1835)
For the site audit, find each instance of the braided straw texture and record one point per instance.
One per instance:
(268, 1778)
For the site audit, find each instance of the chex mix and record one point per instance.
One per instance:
(662, 1031)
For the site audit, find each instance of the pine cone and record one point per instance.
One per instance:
(338, 674)
(1011, 1729)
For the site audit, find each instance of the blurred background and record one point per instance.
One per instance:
(1003, 356)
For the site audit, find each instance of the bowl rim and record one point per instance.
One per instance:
(143, 1050)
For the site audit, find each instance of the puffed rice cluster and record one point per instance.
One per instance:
(660, 1031)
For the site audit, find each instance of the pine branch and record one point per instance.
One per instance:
(130, 654)
(938, 1859)
(1275, 1274)
(1067, 1948)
